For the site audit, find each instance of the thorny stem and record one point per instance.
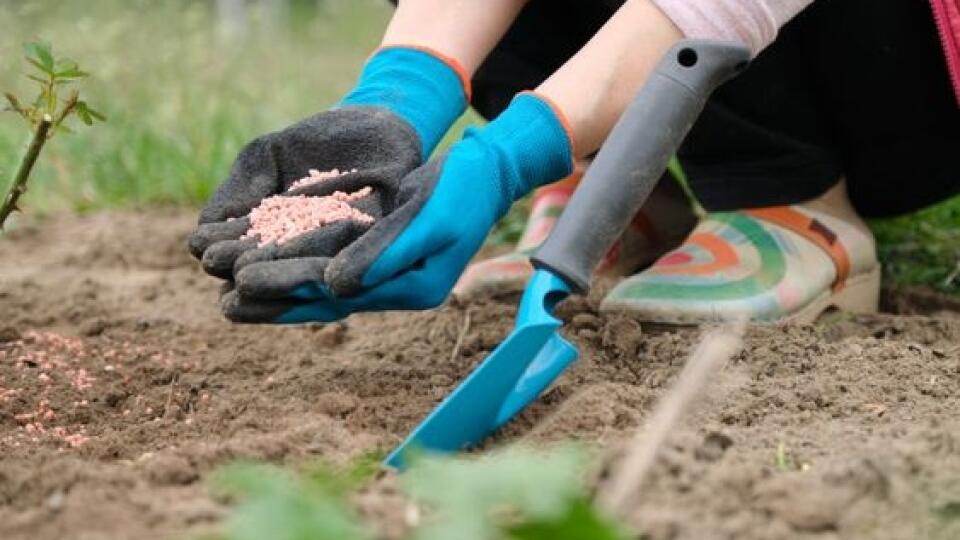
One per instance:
(68, 106)
(19, 185)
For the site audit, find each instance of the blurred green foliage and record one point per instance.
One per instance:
(511, 494)
(274, 503)
(922, 248)
(181, 95)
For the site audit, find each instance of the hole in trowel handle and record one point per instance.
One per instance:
(687, 57)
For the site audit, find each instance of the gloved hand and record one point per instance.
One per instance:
(404, 101)
(412, 256)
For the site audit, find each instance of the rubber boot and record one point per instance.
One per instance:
(774, 264)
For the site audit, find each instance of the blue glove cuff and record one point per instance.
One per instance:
(533, 143)
(420, 87)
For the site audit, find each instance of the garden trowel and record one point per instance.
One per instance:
(615, 186)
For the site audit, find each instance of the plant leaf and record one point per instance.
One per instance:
(84, 115)
(344, 479)
(580, 521)
(96, 114)
(68, 69)
(72, 74)
(275, 505)
(42, 52)
(40, 67)
(64, 64)
(467, 494)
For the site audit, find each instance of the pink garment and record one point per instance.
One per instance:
(947, 15)
(755, 23)
(752, 22)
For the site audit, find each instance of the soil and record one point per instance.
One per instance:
(122, 388)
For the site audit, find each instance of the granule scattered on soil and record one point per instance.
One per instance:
(48, 383)
(316, 176)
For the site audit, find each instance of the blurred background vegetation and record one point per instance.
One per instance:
(185, 83)
(183, 88)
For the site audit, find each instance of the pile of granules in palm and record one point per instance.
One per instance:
(279, 219)
(317, 176)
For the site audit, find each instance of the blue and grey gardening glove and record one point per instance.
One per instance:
(412, 256)
(404, 102)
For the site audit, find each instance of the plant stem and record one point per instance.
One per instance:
(19, 185)
(68, 107)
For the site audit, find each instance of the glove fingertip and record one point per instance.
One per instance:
(229, 301)
(196, 245)
(218, 259)
(236, 310)
(208, 234)
(280, 279)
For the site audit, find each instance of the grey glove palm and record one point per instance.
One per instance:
(381, 147)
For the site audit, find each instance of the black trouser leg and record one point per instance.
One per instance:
(851, 87)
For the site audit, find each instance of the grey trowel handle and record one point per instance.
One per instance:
(635, 155)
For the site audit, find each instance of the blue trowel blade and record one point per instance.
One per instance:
(509, 378)
(554, 357)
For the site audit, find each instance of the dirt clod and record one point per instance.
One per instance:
(170, 469)
(714, 445)
(8, 334)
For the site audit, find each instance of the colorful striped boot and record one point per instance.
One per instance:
(775, 264)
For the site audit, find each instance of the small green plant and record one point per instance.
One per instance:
(785, 461)
(782, 459)
(513, 494)
(46, 114)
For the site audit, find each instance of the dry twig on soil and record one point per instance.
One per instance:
(463, 332)
(628, 476)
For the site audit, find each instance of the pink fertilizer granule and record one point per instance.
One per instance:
(48, 380)
(317, 176)
(280, 218)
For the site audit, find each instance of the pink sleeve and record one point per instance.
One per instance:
(751, 22)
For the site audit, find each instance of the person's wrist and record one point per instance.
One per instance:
(535, 142)
(423, 87)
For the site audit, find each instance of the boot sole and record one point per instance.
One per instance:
(860, 294)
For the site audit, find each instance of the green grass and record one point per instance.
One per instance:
(182, 99)
(923, 248)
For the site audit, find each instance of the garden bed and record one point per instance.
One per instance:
(122, 388)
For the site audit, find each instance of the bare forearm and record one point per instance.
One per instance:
(466, 30)
(595, 86)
